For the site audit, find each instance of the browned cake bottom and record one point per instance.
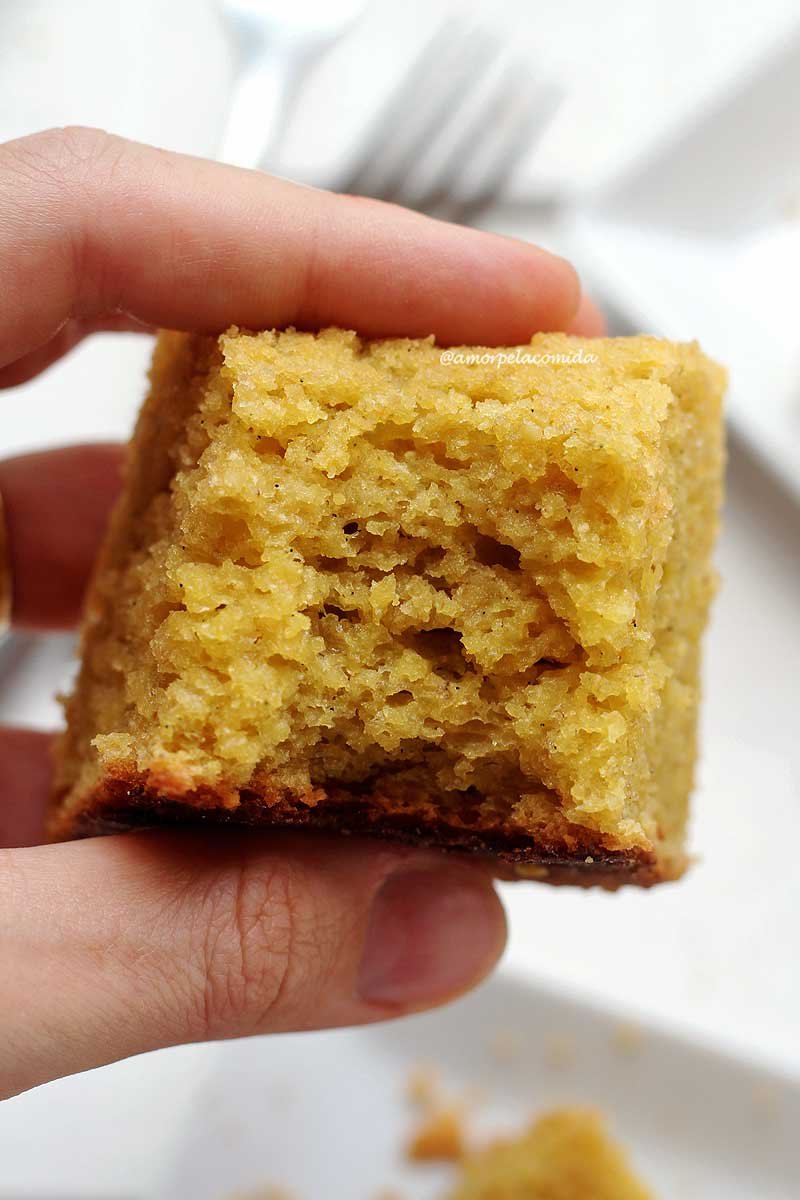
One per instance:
(561, 852)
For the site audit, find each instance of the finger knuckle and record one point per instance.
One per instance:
(70, 171)
(251, 947)
(61, 156)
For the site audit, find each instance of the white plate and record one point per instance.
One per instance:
(325, 1115)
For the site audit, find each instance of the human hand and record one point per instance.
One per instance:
(117, 945)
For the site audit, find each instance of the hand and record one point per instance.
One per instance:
(117, 945)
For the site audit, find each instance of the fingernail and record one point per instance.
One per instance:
(431, 934)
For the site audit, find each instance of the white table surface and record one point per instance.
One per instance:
(716, 952)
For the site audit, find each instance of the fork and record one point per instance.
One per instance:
(278, 41)
(449, 137)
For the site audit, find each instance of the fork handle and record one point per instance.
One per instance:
(259, 107)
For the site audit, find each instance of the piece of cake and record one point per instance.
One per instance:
(566, 1155)
(454, 598)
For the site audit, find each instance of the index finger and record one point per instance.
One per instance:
(91, 224)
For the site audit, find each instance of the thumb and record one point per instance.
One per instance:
(118, 945)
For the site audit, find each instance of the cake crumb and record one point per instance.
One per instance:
(628, 1039)
(440, 1137)
(268, 1192)
(559, 1052)
(424, 1086)
(505, 1046)
(567, 1154)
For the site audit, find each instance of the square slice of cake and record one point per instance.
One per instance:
(454, 598)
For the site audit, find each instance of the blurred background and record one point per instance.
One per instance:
(658, 146)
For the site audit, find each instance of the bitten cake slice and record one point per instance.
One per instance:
(453, 597)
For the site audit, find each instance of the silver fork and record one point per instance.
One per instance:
(449, 137)
(277, 43)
